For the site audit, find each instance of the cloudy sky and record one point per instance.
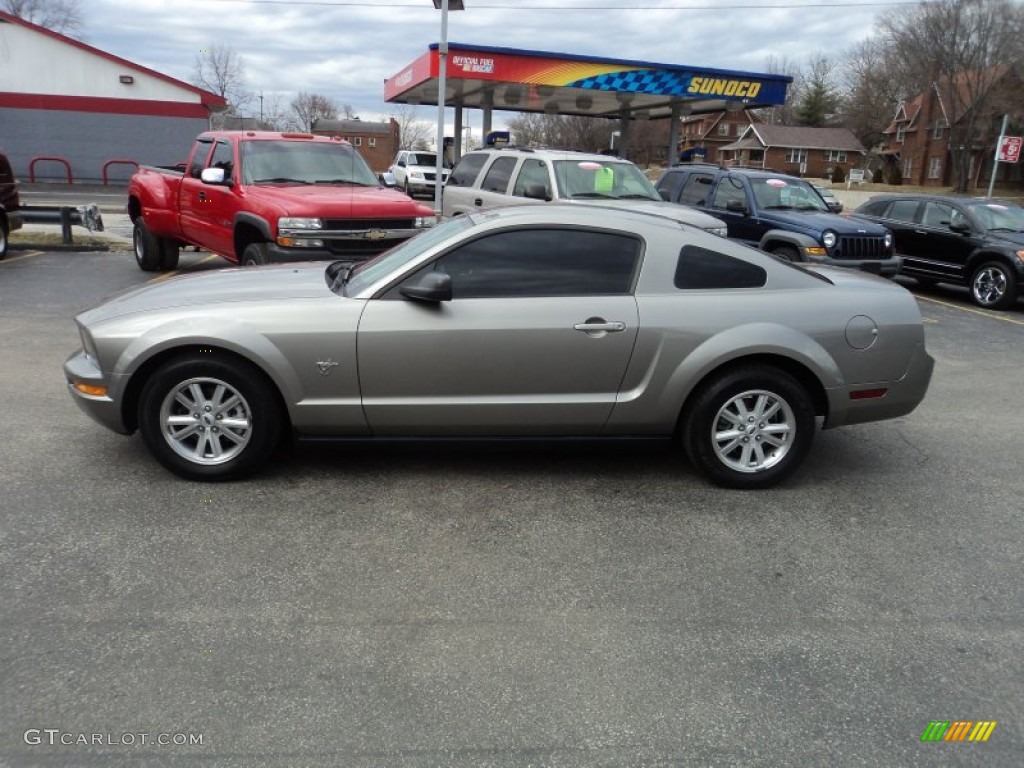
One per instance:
(345, 49)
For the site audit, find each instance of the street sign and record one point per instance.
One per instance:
(1009, 149)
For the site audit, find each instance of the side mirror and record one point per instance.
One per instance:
(537, 192)
(737, 206)
(961, 227)
(434, 287)
(387, 179)
(212, 175)
(400, 163)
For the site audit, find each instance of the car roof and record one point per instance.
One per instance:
(925, 197)
(560, 213)
(561, 154)
(745, 170)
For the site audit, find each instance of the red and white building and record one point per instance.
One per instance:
(91, 110)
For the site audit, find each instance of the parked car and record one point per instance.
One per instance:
(487, 178)
(256, 197)
(10, 205)
(829, 197)
(963, 241)
(526, 321)
(780, 214)
(415, 172)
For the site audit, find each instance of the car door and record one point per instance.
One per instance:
(900, 216)
(190, 201)
(218, 203)
(494, 186)
(942, 250)
(732, 203)
(535, 340)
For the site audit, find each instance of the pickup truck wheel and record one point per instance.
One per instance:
(3, 240)
(209, 418)
(994, 286)
(169, 253)
(147, 247)
(255, 255)
(786, 252)
(749, 427)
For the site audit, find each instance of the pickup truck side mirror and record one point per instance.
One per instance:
(737, 206)
(433, 287)
(536, 192)
(212, 175)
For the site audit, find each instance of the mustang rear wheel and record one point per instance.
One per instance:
(994, 286)
(209, 418)
(749, 428)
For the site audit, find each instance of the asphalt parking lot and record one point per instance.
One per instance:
(507, 605)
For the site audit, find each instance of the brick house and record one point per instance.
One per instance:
(378, 143)
(703, 136)
(917, 142)
(796, 149)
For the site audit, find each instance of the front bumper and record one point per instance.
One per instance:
(80, 368)
(356, 244)
(884, 267)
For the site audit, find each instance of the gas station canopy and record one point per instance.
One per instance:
(537, 81)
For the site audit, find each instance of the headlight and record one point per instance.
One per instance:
(295, 222)
(888, 239)
(416, 174)
(828, 239)
(720, 231)
(422, 222)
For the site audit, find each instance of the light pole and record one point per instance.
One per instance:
(442, 70)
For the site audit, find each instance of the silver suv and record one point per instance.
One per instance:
(415, 172)
(488, 178)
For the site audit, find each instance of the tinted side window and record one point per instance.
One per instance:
(697, 189)
(498, 175)
(532, 173)
(670, 184)
(542, 262)
(222, 158)
(902, 210)
(467, 169)
(938, 215)
(701, 268)
(729, 189)
(199, 155)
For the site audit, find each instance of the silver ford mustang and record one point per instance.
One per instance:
(537, 321)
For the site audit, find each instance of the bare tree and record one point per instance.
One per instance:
(63, 16)
(412, 131)
(874, 81)
(963, 48)
(563, 131)
(783, 113)
(307, 108)
(221, 71)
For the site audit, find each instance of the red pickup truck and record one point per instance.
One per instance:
(257, 197)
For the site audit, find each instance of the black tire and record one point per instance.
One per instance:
(787, 252)
(169, 253)
(729, 459)
(405, 188)
(3, 240)
(147, 247)
(243, 433)
(255, 255)
(994, 286)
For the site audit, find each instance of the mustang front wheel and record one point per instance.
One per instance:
(749, 428)
(209, 418)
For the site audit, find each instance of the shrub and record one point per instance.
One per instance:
(877, 176)
(838, 175)
(895, 176)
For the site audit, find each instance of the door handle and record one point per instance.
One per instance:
(478, 201)
(592, 326)
(202, 197)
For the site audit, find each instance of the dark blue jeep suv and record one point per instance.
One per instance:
(780, 214)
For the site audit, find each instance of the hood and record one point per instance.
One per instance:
(661, 208)
(330, 202)
(821, 220)
(280, 281)
(1014, 240)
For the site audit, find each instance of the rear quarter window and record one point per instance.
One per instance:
(702, 268)
(466, 170)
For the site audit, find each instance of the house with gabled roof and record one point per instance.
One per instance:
(917, 144)
(800, 150)
(702, 136)
(94, 113)
(378, 143)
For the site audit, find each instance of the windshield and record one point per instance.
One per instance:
(582, 179)
(304, 162)
(1000, 217)
(786, 194)
(423, 158)
(367, 273)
